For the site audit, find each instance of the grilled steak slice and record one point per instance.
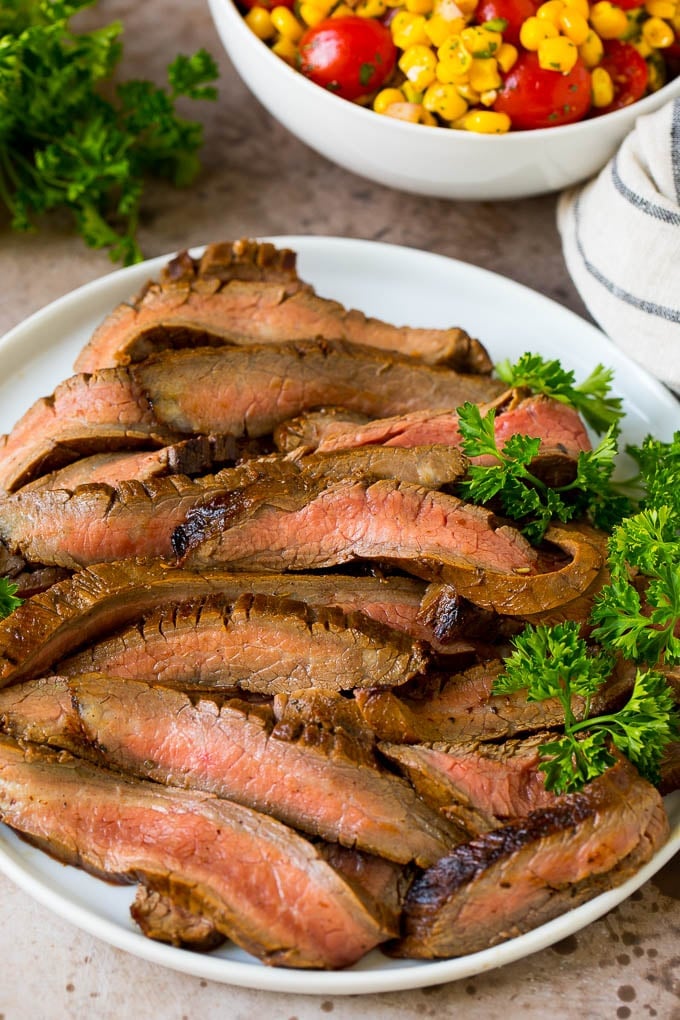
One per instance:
(262, 884)
(518, 877)
(559, 427)
(251, 390)
(433, 467)
(162, 919)
(489, 782)
(383, 883)
(206, 300)
(462, 707)
(238, 751)
(196, 456)
(261, 643)
(100, 600)
(84, 415)
(278, 526)
(237, 391)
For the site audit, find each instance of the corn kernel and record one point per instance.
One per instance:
(445, 101)
(507, 56)
(408, 30)
(485, 122)
(534, 31)
(410, 112)
(592, 50)
(643, 48)
(489, 97)
(454, 59)
(342, 11)
(412, 94)
(447, 9)
(438, 29)
(311, 14)
(484, 75)
(286, 24)
(574, 25)
(609, 21)
(665, 9)
(582, 6)
(480, 42)
(286, 50)
(602, 87)
(467, 92)
(557, 54)
(419, 6)
(259, 21)
(467, 6)
(658, 33)
(551, 11)
(385, 98)
(428, 119)
(370, 8)
(418, 64)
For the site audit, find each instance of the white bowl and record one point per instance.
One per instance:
(411, 157)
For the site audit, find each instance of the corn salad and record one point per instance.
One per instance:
(479, 65)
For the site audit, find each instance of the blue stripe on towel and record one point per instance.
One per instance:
(675, 147)
(642, 204)
(661, 311)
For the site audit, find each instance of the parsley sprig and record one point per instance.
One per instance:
(555, 662)
(590, 397)
(8, 597)
(63, 145)
(525, 497)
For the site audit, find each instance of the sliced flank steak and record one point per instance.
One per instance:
(462, 707)
(260, 643)
(496, 782)
(318, 777)
(270, 525)
(235, 391)
(97, 601)
(163, 920)
(250, 292)
(516, 878)
(263, 885)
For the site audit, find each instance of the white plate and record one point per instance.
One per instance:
(404, 286)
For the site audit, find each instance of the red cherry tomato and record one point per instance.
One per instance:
(534, 98)
(514, 12)
(350, 56)
(628, 71)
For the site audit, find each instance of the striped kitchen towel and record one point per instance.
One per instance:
(621, 241)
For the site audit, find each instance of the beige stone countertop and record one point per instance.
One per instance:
(259, 180)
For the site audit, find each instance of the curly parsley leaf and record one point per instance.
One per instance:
(555, 662)
(64, 146)
(525, 497)
(590, 397)
(8, 597)
(639, 618)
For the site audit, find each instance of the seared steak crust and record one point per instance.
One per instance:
(262, 884)
(162, 919)
(100, 600)
(299, 775)
(261, 643)
(249, 291)
(515, 878)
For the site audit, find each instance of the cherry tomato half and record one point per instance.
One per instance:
(534, 98)
(350, 56)
(628, 71)
(514, 12)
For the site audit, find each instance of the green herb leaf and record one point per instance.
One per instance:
(591, 397)
(8, 597)
(63, 145)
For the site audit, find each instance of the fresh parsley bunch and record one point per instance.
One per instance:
(555, 662)
(63, 145)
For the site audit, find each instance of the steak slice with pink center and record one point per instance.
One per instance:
(317, 778)
(262, 884)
